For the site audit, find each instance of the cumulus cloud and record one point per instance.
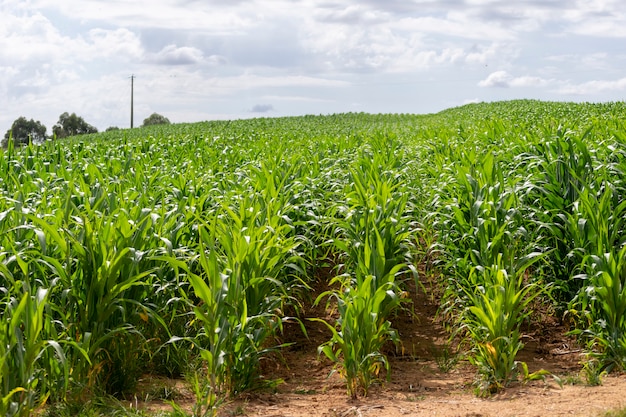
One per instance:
(496, 79)
(214, 17)
(351, 14)
(593, 87)
(215, 60)
(34, 37)
(373, 36)
(197, 57)
(503, 79)
(253, 81)
(8, 70)
(120, 43)
(528, 81)
(173, 55)
(605, 18)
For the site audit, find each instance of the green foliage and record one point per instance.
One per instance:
(24, 131)
(615, 413)
(373, 232)
(26, 372)
(72, 125)
(155, 119)
(362, 331)
(497, 307)
(565, 168)
(210, 235)
(243, 272)
(603, 304)
(593, 371)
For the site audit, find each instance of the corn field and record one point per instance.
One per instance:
(147, 250)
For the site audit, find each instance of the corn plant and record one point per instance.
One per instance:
(488, 289)
(372, 229)
(565, 170)
(483, 227)
(361, 332)
(496, 309)
(217, 319)
(603, 304)
(260, 262)
(240, 278)
(105, 287)
(122, 228)
(25, 380)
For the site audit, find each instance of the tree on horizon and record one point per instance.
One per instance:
(23, 131)
(72, 125)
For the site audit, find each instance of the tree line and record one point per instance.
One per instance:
(23, 131)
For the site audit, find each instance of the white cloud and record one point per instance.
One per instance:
(173, 55)
(471, 101)
(351, 14)
(218, 57)
(214, 17)
(31, 37)
(460, 25)
(593, 88)
(529, 81)
(503, 79)
(8, 71)
(496, 79)
(600, 18)
(491, 53)
(120, 43)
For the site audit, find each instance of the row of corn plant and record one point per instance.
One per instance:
(372, 235)
(244, 273)
(565, 168)
(30, 364)
(582, 220)
(70, 234)
(560, 198)
(100, 231)
(488, 252)
(601, 303)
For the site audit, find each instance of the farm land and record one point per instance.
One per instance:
(464, 263)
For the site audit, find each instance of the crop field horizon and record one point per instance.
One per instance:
(187, 249)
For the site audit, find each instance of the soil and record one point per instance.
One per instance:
(421, 383)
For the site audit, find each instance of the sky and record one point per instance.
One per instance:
(229, 59)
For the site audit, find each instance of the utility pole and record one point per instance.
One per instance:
(132, 82)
